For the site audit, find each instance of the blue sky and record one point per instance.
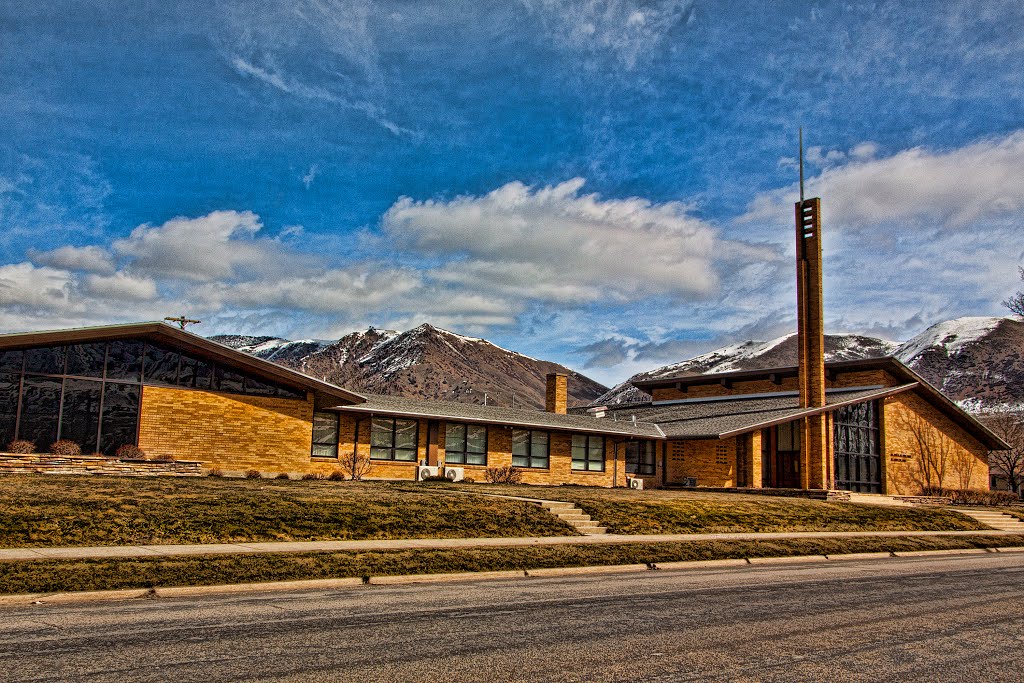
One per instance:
(605, 183)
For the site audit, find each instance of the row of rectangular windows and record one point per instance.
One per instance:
(396, 439)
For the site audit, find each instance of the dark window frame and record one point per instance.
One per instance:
(640, 467)
(530, 455)
(588, 461)
(857, 447)
(462, 453)
(321, 414)
(392, 448)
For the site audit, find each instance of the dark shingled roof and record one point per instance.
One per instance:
(469, 412)
(720, 418)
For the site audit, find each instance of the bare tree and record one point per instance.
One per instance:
(964, 466)
(1008, 465)
(1016, 302)
(932, 453)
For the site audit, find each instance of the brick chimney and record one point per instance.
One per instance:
(557, 396)
(816, 456)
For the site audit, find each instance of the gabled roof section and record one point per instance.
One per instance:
(468, 412)
(162, 332)
(723, 418)
(893, 366)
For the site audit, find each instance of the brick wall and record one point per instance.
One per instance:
(913, 429)
(45, 463)
(226, 431)
(712, 462)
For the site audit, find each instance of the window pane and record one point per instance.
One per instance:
(161, 365)
(597, 448)
(405, 434)
(40, 403)
(476, 439)
(540, 462)
(187, 371)
(454, 457)
(380, 453)
(9, 387)
(49, 360)
(520, 444)
(257, 387)
(11, 360)
(227, 380)
(325, 428)
(632, 457)
(520, 461)
(124, 360)
(381, 432)
(476, 459)
(539, 444)
(120, 416)
(86, 359)
(454, 437)
(80, 419)
(405, 454)
(324, 451)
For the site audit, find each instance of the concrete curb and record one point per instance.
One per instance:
(30, 599)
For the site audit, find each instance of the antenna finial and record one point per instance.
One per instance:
(801, 164)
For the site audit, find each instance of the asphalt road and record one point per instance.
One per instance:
(949, 619)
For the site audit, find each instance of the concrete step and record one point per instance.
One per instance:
(573, 517)
(877, 499)
(995, 519)
(593, 530)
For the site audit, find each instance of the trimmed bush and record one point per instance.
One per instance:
(309, 476)
(503, 475)
(130, 451)
(974, 496)
(283, 475)
(215, 473)
(336, 475)
(65, 447)
(253, 474)
(21, 446)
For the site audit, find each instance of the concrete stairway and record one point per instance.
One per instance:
(574, 517)
(876, 499)
(995, 519)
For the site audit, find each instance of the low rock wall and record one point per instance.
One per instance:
(45, 463)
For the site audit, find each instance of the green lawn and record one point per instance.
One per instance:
(44, 576)
(52, 510)
(625, 511)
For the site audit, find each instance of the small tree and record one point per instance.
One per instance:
(1008, 465)
(932, 450)
(355, 464)
(1016, 302)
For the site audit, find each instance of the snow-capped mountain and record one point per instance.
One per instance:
(425, 362)
(978, 362)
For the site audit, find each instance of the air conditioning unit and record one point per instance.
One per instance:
(637, 484)
(454, 473)
(423, 471)
(690, 482)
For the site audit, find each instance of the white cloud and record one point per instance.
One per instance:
(90, 259)
(310, 176)
(628, 29)
(555, 244)
(919, 187)
(25, 285)
(120, 286)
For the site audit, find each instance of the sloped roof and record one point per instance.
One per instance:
(722, 418)
(160, 331)
(469, 412)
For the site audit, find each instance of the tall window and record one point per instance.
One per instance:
(393, 439)
(857, 449)
(529, 448)
(640, 457)
(465, 444)
(588, 453)
(325, 435)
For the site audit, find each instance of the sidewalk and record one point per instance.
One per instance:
(87, 552)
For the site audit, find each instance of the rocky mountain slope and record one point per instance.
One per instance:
(426, 362)
(978, 362)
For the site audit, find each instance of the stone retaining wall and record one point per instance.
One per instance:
(45, 463)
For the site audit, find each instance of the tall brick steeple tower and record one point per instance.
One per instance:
(816, 445)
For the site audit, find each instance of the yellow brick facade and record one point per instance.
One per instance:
(226, 431)
(712, 462)
(921, 445)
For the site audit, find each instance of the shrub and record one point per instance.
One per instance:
(65, 447)
(503, 475)
(283, 475)
(312, 475)
(437, 478)
(253, 474)
(336, 475)
(974, 496)
(21, 446)
(130, 451)
(215, 473)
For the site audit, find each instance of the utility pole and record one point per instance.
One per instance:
(181, 321)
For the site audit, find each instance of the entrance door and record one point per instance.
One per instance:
(787, 470)
(781, 454)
